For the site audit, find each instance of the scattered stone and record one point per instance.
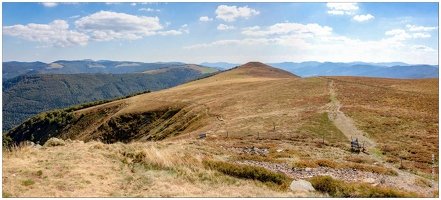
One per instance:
(308, 169)
(279, 150)
(369, 180)
(301, 185)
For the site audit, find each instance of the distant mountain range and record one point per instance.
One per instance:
(303, 69)
(13, 69)
(383, 70)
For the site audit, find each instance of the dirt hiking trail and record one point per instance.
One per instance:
(344, 123)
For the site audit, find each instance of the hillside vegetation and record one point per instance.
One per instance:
(28, 95)
(283, 127)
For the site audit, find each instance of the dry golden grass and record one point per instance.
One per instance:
(94, 169)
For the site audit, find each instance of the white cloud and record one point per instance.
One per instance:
(254, 28)
(305, 30)
(133, 4)
(55, 34)
(247, 41)
(420, 28)
(422, 48)
(342, 8)
(421, 35)
(225, 27)
(97, 27)
(49, 4)
(183, 26)
(361, 18)
(230, 13)
(395, 32)
(118, 25)
(75, 16)
(167, 24)
(336, 12)
(149, 10)
(205, 19)
(170, 32)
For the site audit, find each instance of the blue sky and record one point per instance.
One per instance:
(221, 32)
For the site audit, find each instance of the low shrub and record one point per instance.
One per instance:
(340, 189)
(277, 180)
(304, 164)
(374, 169)
(54, 142)
(28, 182)
(327, 163)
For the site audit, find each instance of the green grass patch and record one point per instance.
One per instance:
(27, 182)
(319, 126)
(6, 194)
(340, 189)
(272, 179)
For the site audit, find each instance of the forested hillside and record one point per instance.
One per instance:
(27, 95)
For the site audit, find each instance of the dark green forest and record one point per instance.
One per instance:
(28, 95)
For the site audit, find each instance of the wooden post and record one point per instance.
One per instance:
(433, 170)
(227, 133)
(274, 126)
(258, 135)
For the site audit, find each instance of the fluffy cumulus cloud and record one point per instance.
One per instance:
(225, 27)
(341, 8)
(230, 13)
(205, 19)
(97, 27)
(55, 34)
(118, 25)
(361, 18)
(303, 30)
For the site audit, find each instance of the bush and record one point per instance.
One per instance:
(28, 182)
(54, 142)
(304, 164)
(337, 188)
(279, 181)
(374, 169)
(327, 163)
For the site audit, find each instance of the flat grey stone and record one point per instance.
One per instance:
(301, 185)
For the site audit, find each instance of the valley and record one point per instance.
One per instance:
(148, 145)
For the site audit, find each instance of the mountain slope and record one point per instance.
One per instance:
(252, 115)
(28, 95)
